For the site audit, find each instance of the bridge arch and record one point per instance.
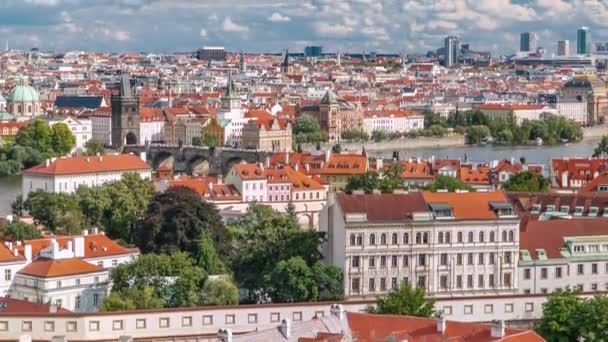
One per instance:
(199, 165)
(162, 157)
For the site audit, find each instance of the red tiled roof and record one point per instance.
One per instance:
(479, 175)
(581, 169)
(50, 268)
(415, 170)
(468, 205)
(93, 164)
(384, 207)
(95, 245)
(12, 306)
(592, 186)
(345, 164)
(249, 171)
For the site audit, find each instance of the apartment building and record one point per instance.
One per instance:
(452, 244)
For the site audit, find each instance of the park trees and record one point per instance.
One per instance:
(527, 181)
(405, 300)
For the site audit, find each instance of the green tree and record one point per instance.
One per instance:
(366, 182)
(133, 298)
(57, 211)
(18, 231)
(307, 129)
(432, 118)
(436, 130)
(505, 137)
(560, 322)
(197, 141)
(293, 281)
(62, 139)
(210, 140)
(476, 133)
(328, 280)
(337, 148)
(174, 278)
(527, 181)
(601, 150)
(94, 203)
(291, 211)
(443, 182)
(593, 319)
(37, 135)
(93, 148)
(378, 136)
(116, 301)
(355, 135)
(208, 258)
(405, 300)
(17, 206)
(175, 220)
(219, 291)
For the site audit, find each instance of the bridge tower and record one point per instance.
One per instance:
(125, 115)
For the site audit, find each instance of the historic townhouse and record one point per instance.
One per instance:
(452, 244)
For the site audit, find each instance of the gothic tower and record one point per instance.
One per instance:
(125, 115)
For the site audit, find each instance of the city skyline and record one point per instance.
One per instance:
(348, 26)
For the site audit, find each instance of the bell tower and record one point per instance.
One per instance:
(125, 114)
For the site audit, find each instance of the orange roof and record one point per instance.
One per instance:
(410, 170)
(371, 328)
(468, 205)
(49, 268)
(249, 171)
(12, 306)
(6, 255)
(95, 245)
(345, 164)
(94, 164)
(198, 184)
(601, 179)
(474, 175)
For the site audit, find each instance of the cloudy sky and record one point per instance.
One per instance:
(273, 25)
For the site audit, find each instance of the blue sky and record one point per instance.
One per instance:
(273, 25)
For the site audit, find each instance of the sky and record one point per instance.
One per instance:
(393, 26)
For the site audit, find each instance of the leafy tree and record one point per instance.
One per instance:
(432, 118)
(505, 137)
(93, 148)
(219, 291)
(209, 140)
(94, 203)
(405, 300)
(17, 206)
(366, 182)
(378, 136)
(9, 167)
(57, 211)
(197, 141)
(560, 322)
(175, 220)
(476, 133)
(337, 148)
(355, 135)
(291, 211)
(133, 298)
(527, 181)
(593, 319)
(601, 150)
(446, 182)
(293, 281)
(18, 231)
(37, 135)
(174, 278)
(307, 129)
(62, 139)
(208, 258)
(436, 130)
(328, 280)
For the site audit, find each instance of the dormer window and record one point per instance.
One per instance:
(579, 249)
(550, 207)
(441, 210)
(536, 209)
(578, 211)
(564, 209)
(502, 209)
(602, 188)
(605, 212)
(592, 211)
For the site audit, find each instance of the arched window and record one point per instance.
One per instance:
(459, 237)
(481, 237)
(511, 236)
(352, 239)
(406, 238)
(491, 236)
(504, 235)
(19, 109)
(372, 239)
(418, 238)
(448, 237)
(395, 239)
(359, 240)
(383, 239)
(425, 238)
(470, 236)
(29, 108)
(440, 237)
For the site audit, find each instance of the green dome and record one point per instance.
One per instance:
(23, 93)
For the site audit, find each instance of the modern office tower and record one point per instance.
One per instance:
(313, 51)
(211, 53)
(452, 50)
(563, 47)
(527, 42)
(583, 41)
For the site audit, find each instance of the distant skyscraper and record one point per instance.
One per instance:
(452, 50)
(527, 42)
(583, 41)
(563, 47)
(313, 51)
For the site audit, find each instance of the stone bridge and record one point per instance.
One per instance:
(200, 160)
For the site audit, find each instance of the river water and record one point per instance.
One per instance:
(10, 187)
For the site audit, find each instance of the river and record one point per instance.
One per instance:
(10, 187)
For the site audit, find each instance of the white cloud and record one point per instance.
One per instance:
(43, 2)
(333, 30)
(203, 33)
(230, 26)
(121, 36)
(278, 18)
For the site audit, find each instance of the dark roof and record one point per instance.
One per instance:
(11, 306)
(125, 85)
(90, 102)
(384, 207)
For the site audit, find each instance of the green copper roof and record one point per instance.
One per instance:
(23, 93)
(4, 116)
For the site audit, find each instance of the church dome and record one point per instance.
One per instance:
(23, 93)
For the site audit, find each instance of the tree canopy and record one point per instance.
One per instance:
(18, 231)
(219, 291)
(389, 181)
(405, 300)
(601, 150)
(133, 298)
(307, 129)
(527, 181)
(92, 148)
(451, 184)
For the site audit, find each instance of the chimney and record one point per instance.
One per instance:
(85, 232)
(27, 252)
(338, 311)
(142, 156)
(47, 162)
(441, 323)
(379, 164)
(498, 328)
(210, 186)
(95, 230)
(286, 157)
(16, 252)
(100, 158)
(296, 166)
(53, 308)
(70, 246)
(285, 328)
(268, 161)
(327, 155)
(78, 246)
(10, 245)
(220, 180)
(224, 335)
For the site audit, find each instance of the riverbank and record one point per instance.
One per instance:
(589, 133)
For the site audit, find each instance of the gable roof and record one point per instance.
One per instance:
(12, 306)
(94, 164)
(383, 207)
(468, 205)
(95, 245)
(51, 268)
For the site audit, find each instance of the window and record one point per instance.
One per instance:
(359, 240)
(395, 239)
(459, 237)
(492, 261)
(7, 274)
(372, 262)
(480, 281)
(383, 239)
(511, 236)
(95, 299)
(507, 280)
(3, 325)
(491, 280)
(275, 317)
(372, 285)
(425, 238)
(58, 284)
(507, 257)
(421, 281)
(481, 237)
(470, 281)
(394, 261)
(468, 309)
(508, 308)
(492, 236)
(529, 307)
(229, 319)
(355, 284)
(26, 326)
(558, 272)
(593, 268)
(117, 324)
(543, 273)
(594, 287)
(406, 238)
(252, 318)
(459, 259)
(382, 261)
(592, 211)
(440, 237)
(372, 239)
(163, 322)
(448, 237)
(580, 269)
(114, 262)
(418, 238)
(93, 325)
(421, 259)
(394, 282)
(297, 316)
(352, 239)
(71, 326)
(470, 237)
(470, 259)
(527, 273)
(459, 281)
(447, 310)
(480, 259)
(140, 323)
(504, 235)
(488, 308)
(382, 284)
(443, 259)
(443, 282)
(406, 261)
(77, 281)
(355, 261)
